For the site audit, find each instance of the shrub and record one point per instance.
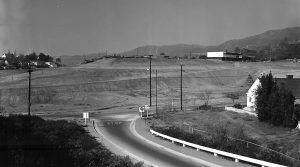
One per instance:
(219, 139)
(248, 118)
(204, 107)
(238, 106)
(32, 141)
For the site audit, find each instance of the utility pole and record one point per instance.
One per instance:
(172, 105)
(156, 90)
(270, 53)
(150, 82)
(29, 88)
(181, 86)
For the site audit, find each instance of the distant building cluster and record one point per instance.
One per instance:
(248, 55)
(9, 61)
(230, 56)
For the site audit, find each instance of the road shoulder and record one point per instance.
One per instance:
(141, 130)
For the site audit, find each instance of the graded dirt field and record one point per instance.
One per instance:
(122, 85)
(113, 82)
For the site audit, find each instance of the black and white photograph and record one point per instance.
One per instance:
(149, 83)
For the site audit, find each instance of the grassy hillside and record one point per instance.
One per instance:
(78, 59)
(174, 50)
(95, 84)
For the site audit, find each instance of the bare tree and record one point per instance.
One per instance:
(12, 100)
(233, 96)
(205, 96)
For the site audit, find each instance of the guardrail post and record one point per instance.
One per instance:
(173, 141)
(215, 154)
(183, 145)
(236, 160)
(197, 149)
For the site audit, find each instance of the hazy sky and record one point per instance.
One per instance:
(87, 26)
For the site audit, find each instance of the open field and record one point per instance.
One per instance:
(111, 85)
(126, 82)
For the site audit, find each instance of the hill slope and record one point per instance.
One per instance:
(78, 59)
(175, 50)
(256, 42)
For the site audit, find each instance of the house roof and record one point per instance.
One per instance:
(292, 85)
(253, 87)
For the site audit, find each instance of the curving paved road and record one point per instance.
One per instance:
(123, 136)
(118, 132)
(116, 129)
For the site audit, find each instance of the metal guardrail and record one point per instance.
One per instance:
(236, 157)
(191, 129)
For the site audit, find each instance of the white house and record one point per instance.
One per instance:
(251, 95)
(290, 83)
(3, 56)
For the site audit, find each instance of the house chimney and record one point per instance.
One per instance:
(289, 76)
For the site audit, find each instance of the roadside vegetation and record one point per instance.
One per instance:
(32, 141)
(220, 139)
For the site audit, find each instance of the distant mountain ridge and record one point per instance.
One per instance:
(270, 37)
(255, 42)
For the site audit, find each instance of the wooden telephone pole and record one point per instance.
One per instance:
(156, 91)
(29, 88)
(181, 86)
(150, 81)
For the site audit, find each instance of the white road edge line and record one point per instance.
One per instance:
(120, 148)
(132, 129)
